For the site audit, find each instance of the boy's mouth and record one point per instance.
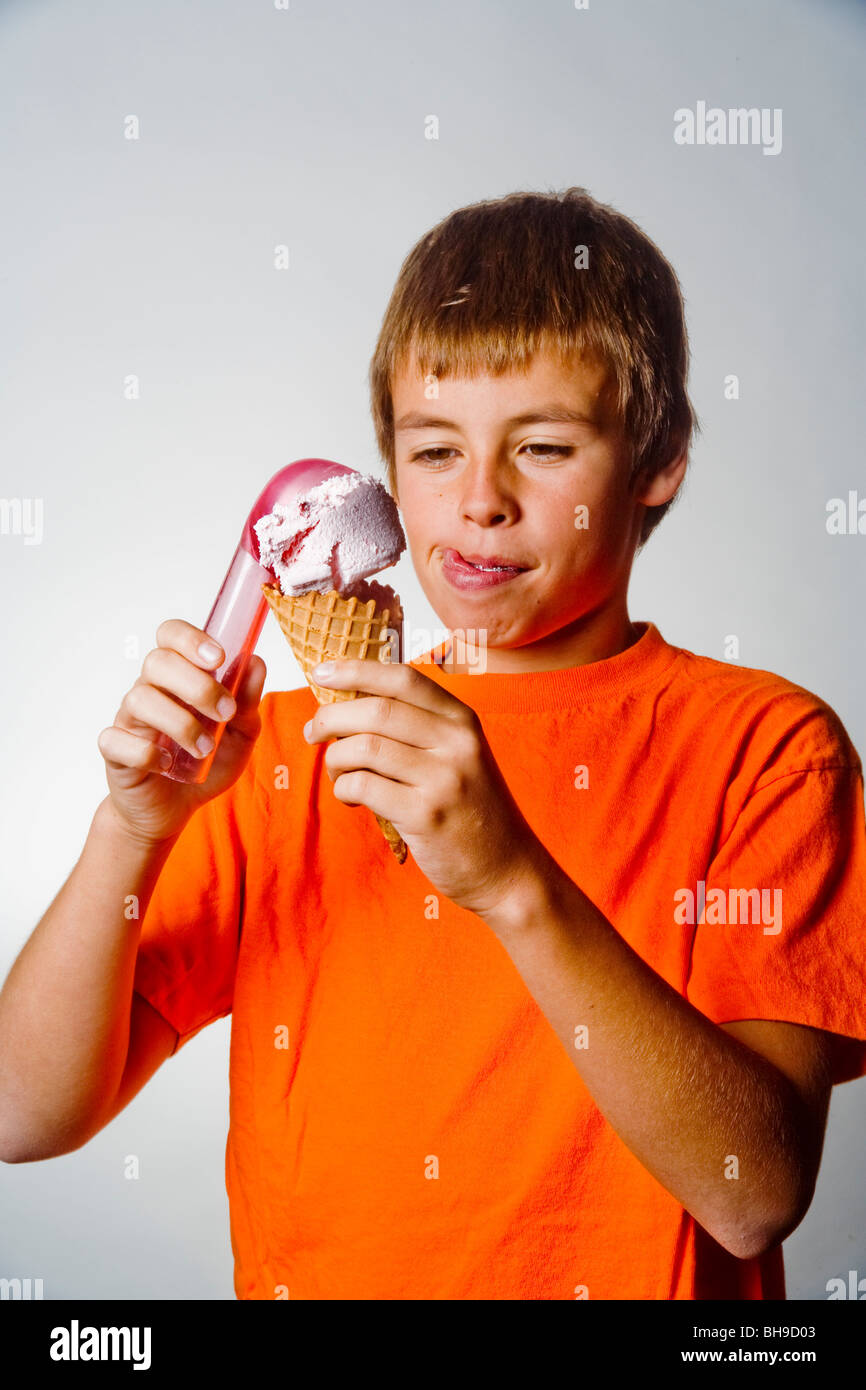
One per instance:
(478, 571)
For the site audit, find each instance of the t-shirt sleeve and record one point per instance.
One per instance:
(782, 934)
(188, 949)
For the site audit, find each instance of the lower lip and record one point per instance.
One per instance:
(465, 576)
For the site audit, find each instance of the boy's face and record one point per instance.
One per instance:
(487, 476)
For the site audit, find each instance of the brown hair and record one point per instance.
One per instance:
(497, 280)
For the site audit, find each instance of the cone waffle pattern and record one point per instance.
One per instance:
(319, 626)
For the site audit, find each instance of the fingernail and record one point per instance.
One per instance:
(326, 668)
(208, 652)
(226, 707)
(204, 744)
(308, 728)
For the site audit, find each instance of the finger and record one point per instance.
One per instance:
(167, 670)
(248, 720)
(380, 714)
(249, 692)
(381, 755)
(122, 749)
(147, 711)
(394, 802)
(393, 678)
(182, 637)
(250, 688)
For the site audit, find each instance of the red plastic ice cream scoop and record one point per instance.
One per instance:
(237, 617)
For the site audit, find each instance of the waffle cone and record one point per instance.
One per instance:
(319, 626)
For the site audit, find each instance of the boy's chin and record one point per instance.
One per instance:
(475, 639)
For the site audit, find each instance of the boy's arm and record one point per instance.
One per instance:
(683, 1093)
(66, 1006)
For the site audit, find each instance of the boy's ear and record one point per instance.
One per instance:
(664, 484)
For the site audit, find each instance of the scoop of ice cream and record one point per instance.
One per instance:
(338, 533)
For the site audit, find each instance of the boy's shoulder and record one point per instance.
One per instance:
(796, 727)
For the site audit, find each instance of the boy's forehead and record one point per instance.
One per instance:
(570, 378)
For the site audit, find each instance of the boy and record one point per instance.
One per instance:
(580, 1045)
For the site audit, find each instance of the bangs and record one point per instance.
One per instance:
(446, 349)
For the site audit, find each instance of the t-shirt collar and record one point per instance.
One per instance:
(524, 692)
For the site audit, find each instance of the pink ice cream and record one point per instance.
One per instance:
(333, 536)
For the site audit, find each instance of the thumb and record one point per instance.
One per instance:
(248, 695)
(250, 689)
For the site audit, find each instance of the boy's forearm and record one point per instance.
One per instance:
(681, 1093)
(65, 1005)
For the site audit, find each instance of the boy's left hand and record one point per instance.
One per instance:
(418, 756)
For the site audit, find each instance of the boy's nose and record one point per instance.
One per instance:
(488, 495)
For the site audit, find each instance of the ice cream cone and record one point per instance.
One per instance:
(319, 626)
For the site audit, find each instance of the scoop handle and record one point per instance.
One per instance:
(239, 612)
(235, 621)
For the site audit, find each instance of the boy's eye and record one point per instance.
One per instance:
(560, 450)
(427, 455)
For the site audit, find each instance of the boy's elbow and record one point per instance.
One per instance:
(751, 1245)
(21, 1147)
(758, 1237)
(11, 1152)
(29, 1155)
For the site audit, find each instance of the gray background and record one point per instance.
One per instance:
(306, 127)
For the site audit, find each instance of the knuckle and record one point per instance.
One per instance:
(470, 722)
(134, 698)
(371, 744)
(465, 748)
(155, 665)
(464, 736)
(456, 783)
(344, 784)
(150, 670)
(383, 707)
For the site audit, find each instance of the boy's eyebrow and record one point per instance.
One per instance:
(546, 414)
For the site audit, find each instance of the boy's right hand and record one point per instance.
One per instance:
(153, 807)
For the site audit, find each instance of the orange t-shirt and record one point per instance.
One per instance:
(404, 1121)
